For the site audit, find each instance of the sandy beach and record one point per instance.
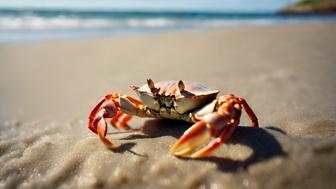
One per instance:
(286, 73)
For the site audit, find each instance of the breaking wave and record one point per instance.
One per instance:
(35, 24)
(62, 22)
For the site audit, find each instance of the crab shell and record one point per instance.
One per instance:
(185, 96)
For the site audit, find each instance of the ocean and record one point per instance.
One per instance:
(36, 25)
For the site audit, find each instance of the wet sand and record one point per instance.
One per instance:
(286, 73)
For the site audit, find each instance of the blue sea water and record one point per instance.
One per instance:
(36, 24)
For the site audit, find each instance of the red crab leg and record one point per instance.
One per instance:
(102, 130)
(211, 125)
(123, 122)
(115, 119)
(249, 112)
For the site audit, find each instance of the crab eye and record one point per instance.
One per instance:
(181, 85)
(150, 84)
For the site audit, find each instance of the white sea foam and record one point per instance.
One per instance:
(32, 22)
(152, 22)
(41, 25)
(62, 22)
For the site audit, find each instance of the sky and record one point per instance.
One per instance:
(210, 5)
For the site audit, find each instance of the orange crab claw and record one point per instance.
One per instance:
(191, 139)
(212, 125)
(106, 108)
(219, 124)
(119, 108)
(213, 145)
(93, 115)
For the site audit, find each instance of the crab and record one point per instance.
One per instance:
(213, 117)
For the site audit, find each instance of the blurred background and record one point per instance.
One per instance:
(44, 20)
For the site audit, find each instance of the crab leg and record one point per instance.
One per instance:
(249, 112)
(113, 106)
(102, 130)
(124, 120)
(115, 119)
(212, 125)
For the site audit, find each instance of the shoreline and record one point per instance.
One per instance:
(31, 32)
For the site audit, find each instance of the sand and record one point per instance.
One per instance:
(286, 73)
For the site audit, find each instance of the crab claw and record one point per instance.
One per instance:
(213, 145)
(212, 125)
(119, 109)
(191, 139)
(105, 108)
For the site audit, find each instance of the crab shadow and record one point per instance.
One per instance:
(127, 147)
(261, 141)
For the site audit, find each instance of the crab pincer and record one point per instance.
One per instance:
(112, 107)
(212, 125)
(105, 108)
(219, 124)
